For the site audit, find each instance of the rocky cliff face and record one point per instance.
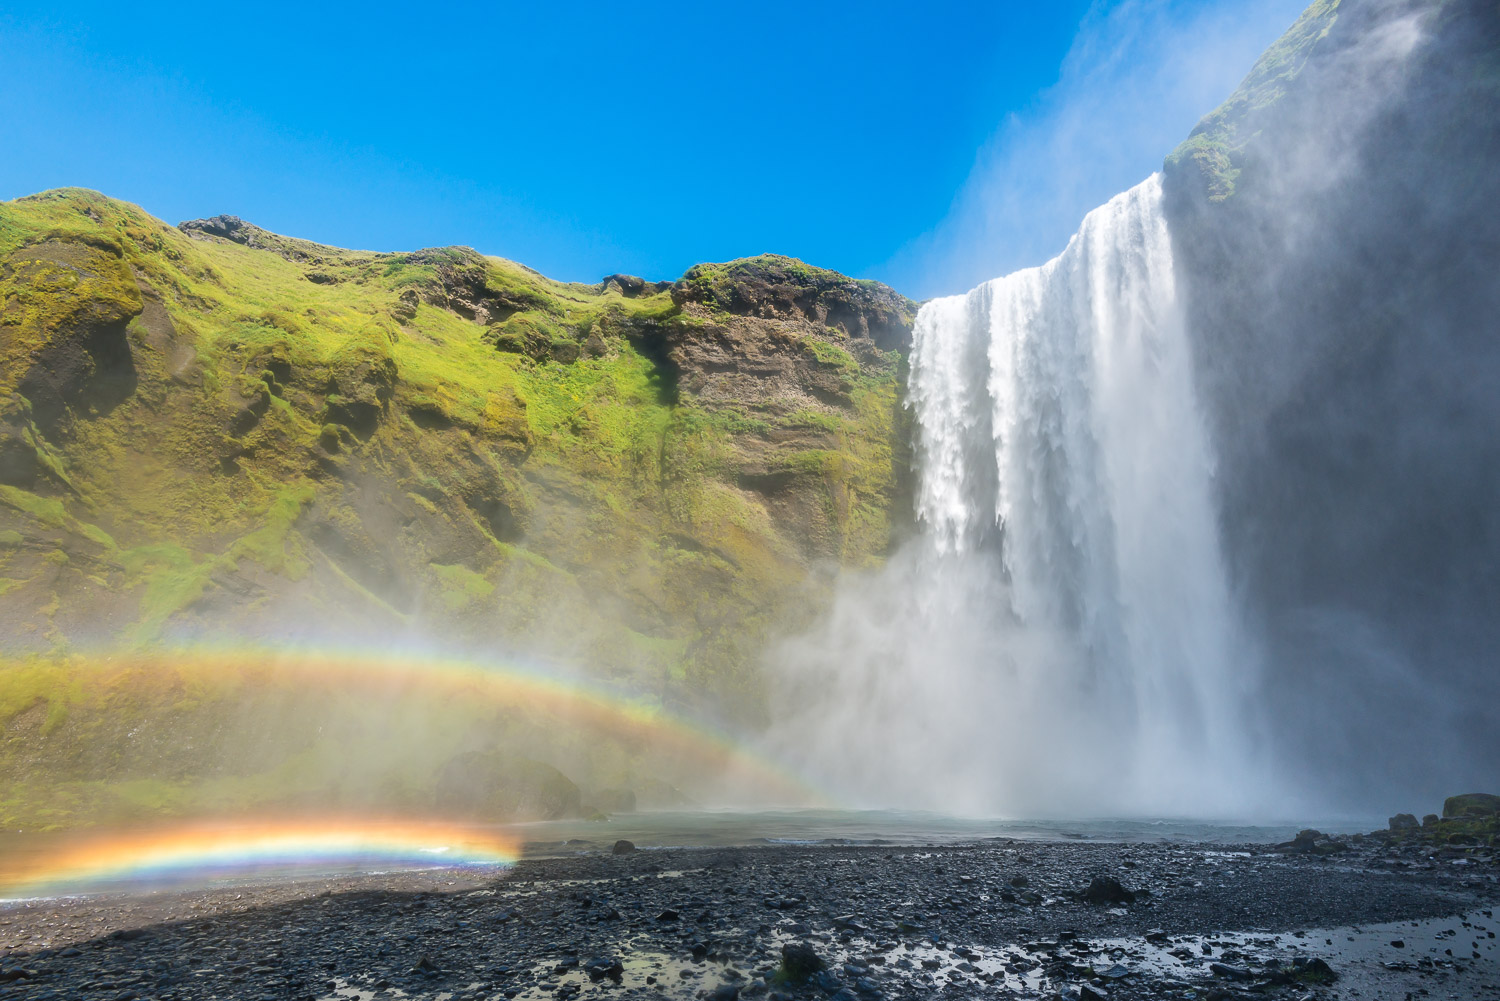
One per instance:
(1336, 223)
(211, 433)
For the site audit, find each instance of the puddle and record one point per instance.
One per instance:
(1367, 960)
(1379, 954)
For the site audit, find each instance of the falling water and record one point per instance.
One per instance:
(1061, 637)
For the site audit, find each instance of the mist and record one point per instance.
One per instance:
(1345, 394)
(1138, 76)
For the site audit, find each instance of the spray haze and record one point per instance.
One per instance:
(1206, 504)
(1070, 642)
(1198, 517)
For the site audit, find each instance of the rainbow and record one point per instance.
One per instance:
(750, 775)
(203, 852)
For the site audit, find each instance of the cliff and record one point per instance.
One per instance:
(1337, 237)
(214, 435)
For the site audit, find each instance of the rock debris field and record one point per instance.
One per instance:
(995, 919)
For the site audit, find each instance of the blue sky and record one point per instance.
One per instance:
(928, 145)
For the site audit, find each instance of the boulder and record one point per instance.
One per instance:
(1107, 890)
(1473, 804)
(799, 961)
(601, 967)
(1404, 822)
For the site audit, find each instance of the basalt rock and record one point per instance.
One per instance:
(799, 960)
(1474, 804)
(780, 288)
(1107, 890)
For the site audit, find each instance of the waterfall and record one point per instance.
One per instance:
(1061, 636)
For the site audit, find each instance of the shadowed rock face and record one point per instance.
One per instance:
(65, 313)
(1335, 222)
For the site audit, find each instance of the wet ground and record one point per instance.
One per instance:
(997, 918)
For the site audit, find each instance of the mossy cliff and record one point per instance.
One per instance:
(211, 433)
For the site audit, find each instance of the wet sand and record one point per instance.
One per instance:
(997, 918)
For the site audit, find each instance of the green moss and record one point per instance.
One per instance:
(172, 580)
(460, 585)
(814, 419)
(51, 512)
(1215, 145)
(830, 354)
(272, 544)
(290, 438)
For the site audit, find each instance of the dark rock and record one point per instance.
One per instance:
(601, 966)
(623, 847)
(1231, 972)
(667, 915)
(1312, 842)
(426, 967)
(627, 285)
(1404, 822)
(227, 227)
(1107, 890)
(799, 961)
(827, 981)
(775, 287)
(1430, 820)
(1313, 971)
(724, 992)
(1474, 804)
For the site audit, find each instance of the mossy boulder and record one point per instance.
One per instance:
(1474, 804)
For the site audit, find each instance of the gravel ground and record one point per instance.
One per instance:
(854, 923)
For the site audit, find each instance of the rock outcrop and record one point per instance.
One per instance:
(213, 432)
(1335, 233)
